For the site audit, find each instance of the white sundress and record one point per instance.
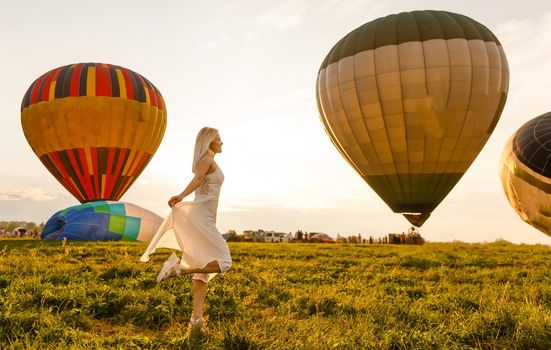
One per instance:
(191, 228)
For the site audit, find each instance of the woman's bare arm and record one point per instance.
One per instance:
(200, 172)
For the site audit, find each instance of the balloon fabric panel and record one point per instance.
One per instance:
(530, 144)
(409, 26)
(131, 229)
(110, 183)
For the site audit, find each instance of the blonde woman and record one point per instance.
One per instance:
(191, 226)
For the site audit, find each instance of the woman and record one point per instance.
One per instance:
(191, 226)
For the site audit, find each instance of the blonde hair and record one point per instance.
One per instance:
(202, 144)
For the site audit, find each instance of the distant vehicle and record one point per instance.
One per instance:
(19, 232)
(320, 238)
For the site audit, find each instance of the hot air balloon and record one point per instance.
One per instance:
(525, 172)
(94, 126)
(409, 100)
(102, 221)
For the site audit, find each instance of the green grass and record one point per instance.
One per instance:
(277, 296)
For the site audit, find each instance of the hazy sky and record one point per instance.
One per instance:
(249, 69)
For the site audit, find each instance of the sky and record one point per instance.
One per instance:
(249, 68)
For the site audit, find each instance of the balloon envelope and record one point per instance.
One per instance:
(102, 221)
(94, 126)
(409, 100)
(525, 172)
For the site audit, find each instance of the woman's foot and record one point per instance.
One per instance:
(164, 271)
(175, 271)
(196, 326)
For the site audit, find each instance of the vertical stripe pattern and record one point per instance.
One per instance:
(105, 181)
(92, 79)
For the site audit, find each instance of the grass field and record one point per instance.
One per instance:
(278, 296)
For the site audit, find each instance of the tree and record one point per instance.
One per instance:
(232, 236)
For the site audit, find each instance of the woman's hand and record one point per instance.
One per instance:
(174, 199)
(200, 173)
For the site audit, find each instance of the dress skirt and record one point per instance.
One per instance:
(191, 228)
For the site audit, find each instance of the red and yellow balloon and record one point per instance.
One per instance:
(94, 126)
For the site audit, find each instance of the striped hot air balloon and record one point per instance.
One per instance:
(103, 221)
(94, 126)
(525, 172)
(409, 100)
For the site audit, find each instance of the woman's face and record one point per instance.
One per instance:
(216, 145)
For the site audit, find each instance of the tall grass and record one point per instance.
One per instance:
(278, 296)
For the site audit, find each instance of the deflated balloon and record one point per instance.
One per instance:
(409, 100)
(94, 126)
(525, 172)
(103, 221)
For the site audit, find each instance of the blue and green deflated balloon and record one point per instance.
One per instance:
(409, 100)
(102, 221)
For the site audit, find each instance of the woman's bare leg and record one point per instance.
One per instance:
(199, 289)
(179, 271)
(211, 267)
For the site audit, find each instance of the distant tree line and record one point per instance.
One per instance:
(412, 237)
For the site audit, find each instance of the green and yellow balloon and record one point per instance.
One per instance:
(409, 100)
